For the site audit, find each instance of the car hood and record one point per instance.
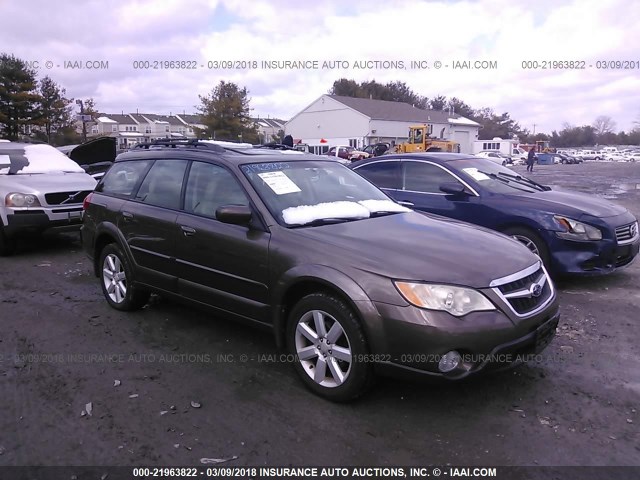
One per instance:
(47, 183)
(414, 246)
(563, 202)
(98, 150)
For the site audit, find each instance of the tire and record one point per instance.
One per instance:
(533, 242)
(117, 281)
(340, 379)
(7, 245)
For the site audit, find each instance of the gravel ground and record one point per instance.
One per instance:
(62, 347)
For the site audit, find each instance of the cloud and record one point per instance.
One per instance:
(243, 35)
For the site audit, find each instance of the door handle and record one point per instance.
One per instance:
(187, 231)
(127, 216)
(406, 204)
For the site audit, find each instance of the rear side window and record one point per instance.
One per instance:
(163, 184)
(382, 174)
(122, 177)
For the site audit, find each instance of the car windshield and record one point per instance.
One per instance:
(21, 159)
(309, 193)
(495, 178)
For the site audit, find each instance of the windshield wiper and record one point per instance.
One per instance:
(507, 181)
(325, 221)
(382, 213)
(526, 180)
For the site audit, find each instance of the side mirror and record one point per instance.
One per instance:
(234, 214)
(452, 188)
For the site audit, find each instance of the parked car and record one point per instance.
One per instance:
(568, 159)
(95, 156)
(573, 233)
(496, 157)
(349, 281)
(349, 154)
(633, 157)
(590, 155)
(41, 190)
(615, 157)
(377, 149)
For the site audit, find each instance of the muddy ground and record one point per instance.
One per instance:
(62, 347)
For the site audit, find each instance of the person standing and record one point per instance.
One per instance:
(531, 158)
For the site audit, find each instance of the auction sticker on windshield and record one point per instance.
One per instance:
(475, 174)
(279, 183)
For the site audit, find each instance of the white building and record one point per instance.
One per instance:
(336, 120)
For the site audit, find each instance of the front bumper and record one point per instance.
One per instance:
(35, 221)
(590, 258)
(417, 339)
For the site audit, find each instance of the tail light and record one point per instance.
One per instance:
(86, 201)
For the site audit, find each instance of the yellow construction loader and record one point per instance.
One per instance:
(420, 140)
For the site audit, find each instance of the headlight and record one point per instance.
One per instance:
(21, 200)
(457, 301)
(575, 230)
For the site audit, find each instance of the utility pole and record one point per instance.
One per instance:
(84, 123)
(534, 128)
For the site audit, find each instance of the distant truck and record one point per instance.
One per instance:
(501, 145)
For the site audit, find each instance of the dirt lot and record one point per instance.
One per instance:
(62, 347)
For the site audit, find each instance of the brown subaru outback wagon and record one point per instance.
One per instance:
(350, 282)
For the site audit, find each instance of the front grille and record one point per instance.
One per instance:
(524, 305)
(66, 198)
(626, 233)
(521, 283)
(518, 293)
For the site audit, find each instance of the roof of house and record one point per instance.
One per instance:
(121, 118)
(191, 119)
(269, 122)
(398, 111)
(170, 119)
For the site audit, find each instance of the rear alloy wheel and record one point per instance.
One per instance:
(329, 347)
(117, 281)
(533, 242)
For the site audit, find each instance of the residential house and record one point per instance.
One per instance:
(269, 129)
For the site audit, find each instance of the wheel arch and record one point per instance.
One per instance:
(108, 233)
(304, 280)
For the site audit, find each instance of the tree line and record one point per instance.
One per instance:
(602, 131)
(27, 102)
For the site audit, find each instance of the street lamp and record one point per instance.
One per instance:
(84, 124)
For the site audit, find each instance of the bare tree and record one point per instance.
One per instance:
(604, 124)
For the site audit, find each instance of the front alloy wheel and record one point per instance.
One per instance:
(533, 242)
(329, 346)
(323, 348)
(527, 242)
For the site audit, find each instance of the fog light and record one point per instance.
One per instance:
(449, 361)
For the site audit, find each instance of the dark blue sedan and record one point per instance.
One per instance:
(573, 233)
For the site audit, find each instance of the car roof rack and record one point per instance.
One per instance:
(181, 143)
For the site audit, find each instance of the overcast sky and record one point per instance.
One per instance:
(507, 32)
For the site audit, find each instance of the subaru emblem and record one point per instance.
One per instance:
(536, 290)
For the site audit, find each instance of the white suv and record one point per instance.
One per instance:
(41, 189)
(590, 155)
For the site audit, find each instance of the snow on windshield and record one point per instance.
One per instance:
(383, 206)
(27, 159)
(308, 213)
